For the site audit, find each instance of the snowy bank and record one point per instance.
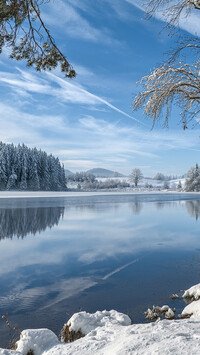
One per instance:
(193, 292)
(110, 333)
(84, 322)
(191, 310)
(55, 194)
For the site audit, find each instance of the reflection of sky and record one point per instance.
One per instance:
(90, 245)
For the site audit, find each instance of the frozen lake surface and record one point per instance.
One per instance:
(93, 252)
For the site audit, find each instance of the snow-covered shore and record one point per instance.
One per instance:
(110, 333)
(52, 194)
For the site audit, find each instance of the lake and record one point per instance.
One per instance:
(126, 252)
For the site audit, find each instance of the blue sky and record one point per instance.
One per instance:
(88, 121)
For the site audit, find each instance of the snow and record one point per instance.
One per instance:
(154, 183)
(49, 194)
(37, 340)
(169, 314)
(85, 322)
(192, 309)
(9, 352)
(110, 333)
(193, 292)
(113, 338)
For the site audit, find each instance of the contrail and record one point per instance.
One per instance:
(119, 269)
(89, 94)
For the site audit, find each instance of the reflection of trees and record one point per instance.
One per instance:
(160, 205)
(28, 220)
(193, 208)
(136, 207)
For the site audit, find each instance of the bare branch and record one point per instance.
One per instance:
(169, 84)
(170, 9)
(173, 83)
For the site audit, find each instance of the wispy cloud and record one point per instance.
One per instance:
(23, 83)
(74, 24)
(84, 96)
(90, 142)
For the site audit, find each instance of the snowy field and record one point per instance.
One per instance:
(32, 194)
(111, 333)
(154, 186)
(146, 184)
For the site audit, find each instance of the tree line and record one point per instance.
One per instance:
(23, 168)
(86, 181)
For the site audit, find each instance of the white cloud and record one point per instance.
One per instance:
(90, 142)
(83, 96)
(73, 24)
(66, 91)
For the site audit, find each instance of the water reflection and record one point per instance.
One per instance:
(24, 217)
(101, 254)
(20, 222)
(193, 208)
(136, 207)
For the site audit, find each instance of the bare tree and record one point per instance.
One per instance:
(171, 10)
(135, 176)
(174, 81)
(23, 29)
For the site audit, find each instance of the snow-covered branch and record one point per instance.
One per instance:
(169, 83)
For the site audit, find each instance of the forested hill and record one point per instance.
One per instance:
(22, 168)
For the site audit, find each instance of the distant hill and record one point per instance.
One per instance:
(68, 172)
(104, 173)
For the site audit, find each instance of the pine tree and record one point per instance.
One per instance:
(11, 185)
(29, 169)
(33, 178)
(192, 182)
(3, 175)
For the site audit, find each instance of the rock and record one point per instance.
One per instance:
(174, 296)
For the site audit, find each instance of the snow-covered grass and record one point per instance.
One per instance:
(110, 333)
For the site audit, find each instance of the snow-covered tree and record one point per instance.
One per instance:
(179, 186)
(135, 176)
(3, 174)
(29, 169)
(166, 185)
(11, 185)
(159, 176)
(176, 80)
(192, 182)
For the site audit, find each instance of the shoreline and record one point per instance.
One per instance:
(56, 194)
(111, 333)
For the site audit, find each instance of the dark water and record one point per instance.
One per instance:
(124, 252)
